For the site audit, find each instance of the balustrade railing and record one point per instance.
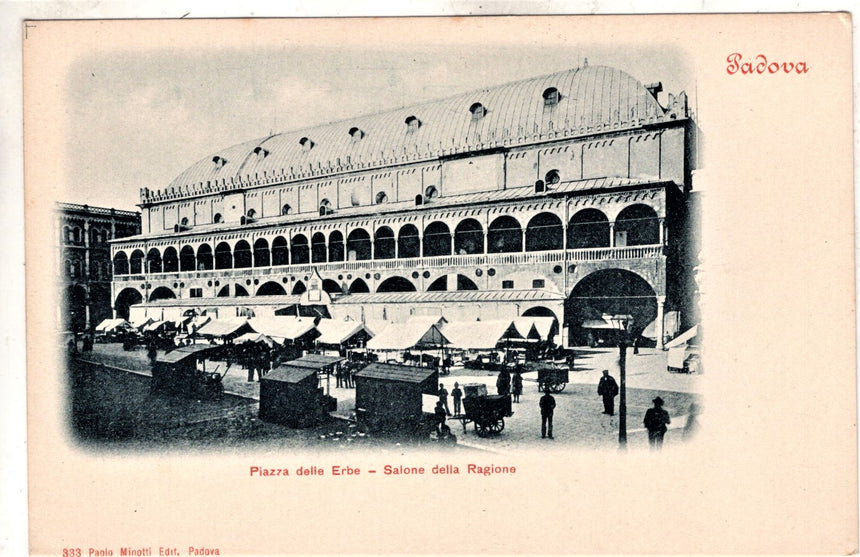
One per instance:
(479, 259)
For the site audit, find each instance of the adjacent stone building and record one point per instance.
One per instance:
(84, 260)
(564, 195)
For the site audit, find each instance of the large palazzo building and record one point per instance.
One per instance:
(565, 195)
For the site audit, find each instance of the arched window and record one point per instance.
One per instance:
(468, 237)
(318, 248)
(437, 239)
(588, 228)
(223, 256)
(383, 243)
(504, 235)
(153, 261)
(335, 246)
(431, 193)
(381, 198)
(358, 246)
(299, 249)
(171, 260)
(544, 232)
(478, 111)
(217, 218)
(408, 242)
(184, 221)
(551, 97)
(356, 134)
(251, 213)
(412, 124)
(242, 258)
(280, 251)
(261, 253)
(187, 261)
(205, 261)
(120, 264)
(552, 177)
(286, 209)
(136, 262)
(637, 225)
(325, 207)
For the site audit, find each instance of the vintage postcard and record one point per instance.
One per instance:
(498, 285)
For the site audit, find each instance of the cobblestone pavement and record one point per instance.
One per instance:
(578, 420)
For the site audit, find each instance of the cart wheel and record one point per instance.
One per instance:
(497, 426)
(558, 387)
(483, 429)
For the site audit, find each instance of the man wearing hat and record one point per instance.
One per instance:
(608, 389)
(656, 420)
(547, 406)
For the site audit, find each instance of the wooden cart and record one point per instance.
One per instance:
(486, 412)
(555, 379)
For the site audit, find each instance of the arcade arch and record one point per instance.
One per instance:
(396, 284)
(504, 235)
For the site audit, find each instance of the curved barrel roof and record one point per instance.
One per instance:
(591, 98)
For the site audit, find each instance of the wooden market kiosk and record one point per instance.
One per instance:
(388, 397)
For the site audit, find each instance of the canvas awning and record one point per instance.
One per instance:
(523, 328)
(338, 332)
(139, 325)
(223, 327)
(154, 326)
(670, 326)
(111, 324)
(282, 328)
(684, 337)
(545, 326)
(183, 352)
(254, 337)
(478, 335)
(419, 332)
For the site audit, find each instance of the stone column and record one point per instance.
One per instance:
(453, 245)
(660, 333)
(524, 240)
(661, 236)
(612, 234)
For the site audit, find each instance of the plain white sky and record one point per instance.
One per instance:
(138, 119)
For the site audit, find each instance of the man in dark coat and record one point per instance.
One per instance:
(443, 398)
(656, 420)
(503, 383)
(547, 406)
(608, 389)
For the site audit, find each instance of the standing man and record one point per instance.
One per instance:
(656, 420)
(443, 398)
(457, 393)
(547, 406)
(608, 389)
(517, 385)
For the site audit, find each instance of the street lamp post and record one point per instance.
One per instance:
(621, 322)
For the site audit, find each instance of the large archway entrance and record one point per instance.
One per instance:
(162, 293)
(609, 292)
(125, 299)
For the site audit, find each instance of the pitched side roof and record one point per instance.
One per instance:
(394, 372)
